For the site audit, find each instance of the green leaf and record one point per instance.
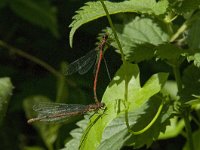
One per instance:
(147, 137)
(47, 132)
(139, 38)
(77, 134)
(168, 51)
(33, 148)
(195, 58)
(110, 127)
(94, 10)
(170, 89)
(173, 130)
(6, 88)
(38, 12)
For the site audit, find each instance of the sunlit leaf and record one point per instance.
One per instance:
(94, 10)
(174, 129)
(112, 124)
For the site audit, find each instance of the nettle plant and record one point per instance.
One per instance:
(136, 115)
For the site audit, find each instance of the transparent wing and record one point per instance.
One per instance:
(83, 64)
(90, 63)
(54, 108)
(56, 111)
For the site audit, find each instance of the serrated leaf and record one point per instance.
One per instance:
(46, 131)
(102, 132)
(6, 88)
(38, 12)
(168, 51)
(174, 129)
(94, 10)
(76, 134)
(139, 38)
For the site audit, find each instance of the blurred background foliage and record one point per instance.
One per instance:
(40, 29)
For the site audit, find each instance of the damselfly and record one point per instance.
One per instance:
(83, 64)
(52, 112)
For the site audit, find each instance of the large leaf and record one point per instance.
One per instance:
(74, 143)
(139, 38)
(6, 88)
(110, 130)
(175, 128)
(37, 12)
(94, 10)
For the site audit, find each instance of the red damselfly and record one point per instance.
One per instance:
(83, 64)
(53, 112)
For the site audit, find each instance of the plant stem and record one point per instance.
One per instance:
(180, 30)
(186, 111)
(188, 129)
(148, 126)
(33, 59)
(113, 30)
(177, 76)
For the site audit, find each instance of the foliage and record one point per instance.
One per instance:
(153, 94)
(6, 91)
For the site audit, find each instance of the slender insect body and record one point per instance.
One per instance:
(58, 111)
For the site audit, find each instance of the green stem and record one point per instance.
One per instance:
(177, 77)
(148, 126)
(180, 31)
(60, 89)
(33, 59)
(188, 129)
(186, 111)
(113, 30)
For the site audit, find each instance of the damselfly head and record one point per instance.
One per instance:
(105, 36)
(96, 106)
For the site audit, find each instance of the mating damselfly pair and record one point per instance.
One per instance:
(60, 111)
